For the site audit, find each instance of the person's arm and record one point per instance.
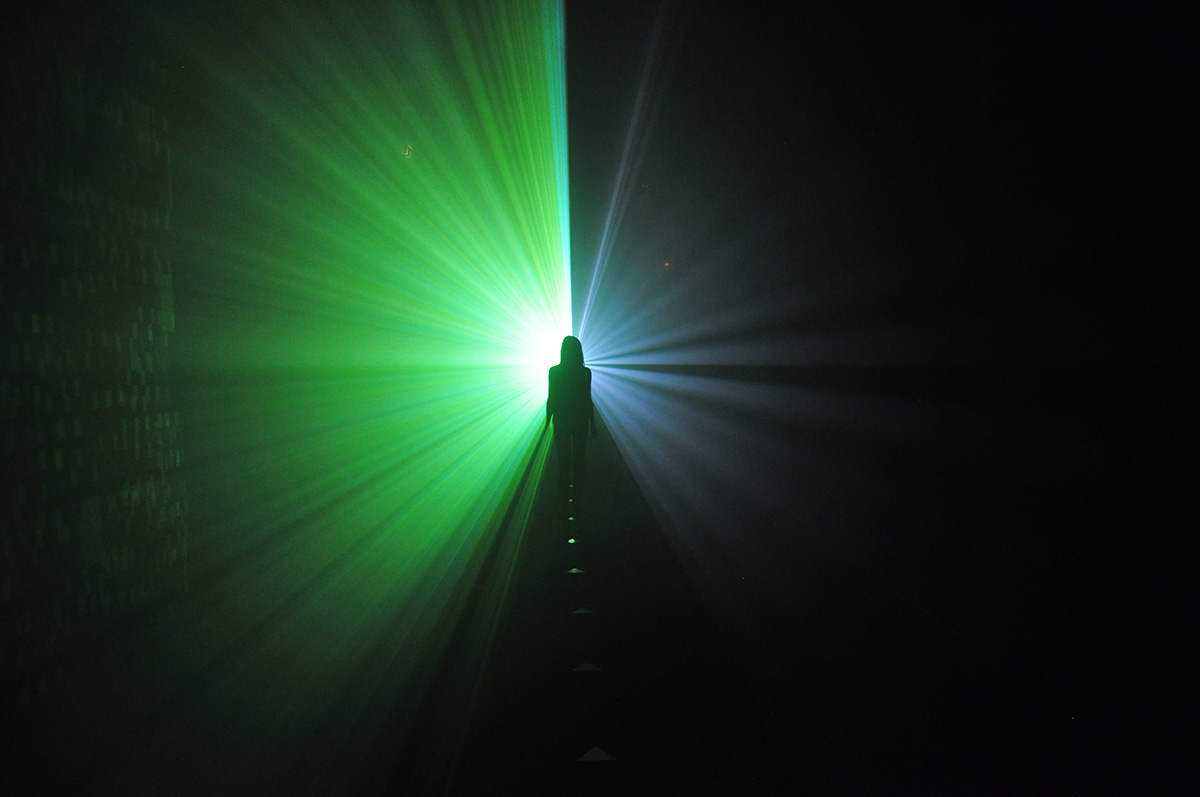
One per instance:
(550, 398)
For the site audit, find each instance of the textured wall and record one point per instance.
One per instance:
(94, 512)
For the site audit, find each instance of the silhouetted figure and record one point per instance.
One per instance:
(570, 407)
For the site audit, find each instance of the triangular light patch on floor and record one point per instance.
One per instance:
(595, 754)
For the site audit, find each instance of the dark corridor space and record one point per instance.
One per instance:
(997, 631)
(606, 672)
(927, 263)
(984, 639)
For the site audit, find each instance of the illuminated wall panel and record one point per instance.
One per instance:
(94, 517)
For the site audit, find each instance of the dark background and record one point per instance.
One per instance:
(1014, 171)
(978, 214)
(965, 566)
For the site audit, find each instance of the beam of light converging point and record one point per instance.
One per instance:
(374, 280)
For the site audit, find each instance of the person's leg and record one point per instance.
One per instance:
(578, 449)
(562, 451)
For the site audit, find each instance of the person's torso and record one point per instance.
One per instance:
(571, 394)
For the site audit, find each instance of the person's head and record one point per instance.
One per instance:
(571, 352)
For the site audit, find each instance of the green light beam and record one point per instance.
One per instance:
(373, 280)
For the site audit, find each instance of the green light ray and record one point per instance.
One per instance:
(376, 227)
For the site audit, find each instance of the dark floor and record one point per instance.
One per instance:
(980, 635)
(1051, 674)
(604, 674)
(617, 662)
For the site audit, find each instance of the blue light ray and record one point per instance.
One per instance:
(637, 137)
